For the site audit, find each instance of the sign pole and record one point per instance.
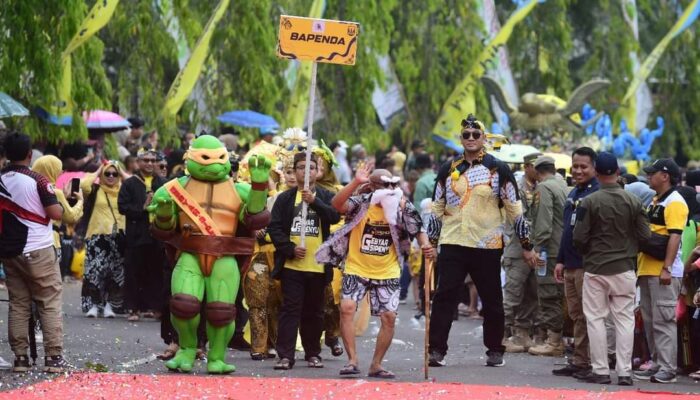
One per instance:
(309, 137)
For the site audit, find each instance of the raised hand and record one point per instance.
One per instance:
(259, 167)
(363, 172)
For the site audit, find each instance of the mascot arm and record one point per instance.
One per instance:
(163, 208)
(255, 194)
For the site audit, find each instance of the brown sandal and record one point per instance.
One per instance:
(169, 353)
(133, 317)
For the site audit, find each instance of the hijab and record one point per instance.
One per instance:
(48, 166)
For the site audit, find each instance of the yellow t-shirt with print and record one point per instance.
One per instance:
(371, 250)
(666, 215)
(313, 239)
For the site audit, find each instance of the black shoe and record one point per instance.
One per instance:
(21, 364)
(419, 315)
(258, 356)
(569, 370)
(238, 342)
(595, 378)
(495, 359)
(624, 381)
(582, 373)
(436, 359)
(56, 365)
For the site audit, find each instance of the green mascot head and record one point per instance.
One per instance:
(208, 160)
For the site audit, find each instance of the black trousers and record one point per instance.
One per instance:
(484, 266)
(143, 270)
(302, 311)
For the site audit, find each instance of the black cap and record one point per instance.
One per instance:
(136, 122)
(666, 165)
(606, 163)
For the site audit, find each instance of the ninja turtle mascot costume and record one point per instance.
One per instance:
(199, 216)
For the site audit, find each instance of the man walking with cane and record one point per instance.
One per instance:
(373, 243)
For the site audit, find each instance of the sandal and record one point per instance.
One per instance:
(350, 370)
(284, 364)
(201, 355)
(382, 374)
(314, 362)
(133, 317)
(149, 314)
(337, 350)
(168, 354)
(695, 375)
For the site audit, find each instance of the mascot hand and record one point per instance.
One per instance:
(162, 208)
(259, 167)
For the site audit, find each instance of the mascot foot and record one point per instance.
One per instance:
(219, 367)
(183, 360)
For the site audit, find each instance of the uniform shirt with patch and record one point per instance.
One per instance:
(313, 239)
(371, 252)
(31, 192)
(667, 214)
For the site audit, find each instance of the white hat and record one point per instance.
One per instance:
(343, 144)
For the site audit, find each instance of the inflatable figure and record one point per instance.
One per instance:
(200, 215)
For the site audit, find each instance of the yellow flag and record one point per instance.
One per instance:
(62, 108)
(188, 75)
(689, 16)
(299, 103)
(98, 17)
(461, 102)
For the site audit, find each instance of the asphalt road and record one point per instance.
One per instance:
(116, 345)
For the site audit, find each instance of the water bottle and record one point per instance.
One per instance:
(542, 269)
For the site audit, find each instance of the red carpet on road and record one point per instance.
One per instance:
(125, 386)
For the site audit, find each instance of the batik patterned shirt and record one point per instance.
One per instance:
(474, 205)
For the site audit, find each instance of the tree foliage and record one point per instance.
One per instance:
(129, 66)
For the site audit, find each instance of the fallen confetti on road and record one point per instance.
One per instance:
(177, 386)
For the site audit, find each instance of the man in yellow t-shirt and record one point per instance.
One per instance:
(660, 275)
(373, 243)
(303, 279)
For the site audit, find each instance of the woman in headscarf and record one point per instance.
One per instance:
(104, 263)
(51, 167)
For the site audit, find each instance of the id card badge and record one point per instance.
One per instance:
(573, 218)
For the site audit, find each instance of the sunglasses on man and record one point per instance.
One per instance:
(476, 135)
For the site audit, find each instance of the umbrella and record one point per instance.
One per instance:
(248, 119)
(10, 107)
(61, 120)
(561, 161)
(513, 153)
(105, 121)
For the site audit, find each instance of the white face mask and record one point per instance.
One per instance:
(389, 199)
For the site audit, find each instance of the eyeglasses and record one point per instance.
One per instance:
(111, 174)
(163, 167)
(300, 168)
(148, 160)
(385, 185)
(476, 135)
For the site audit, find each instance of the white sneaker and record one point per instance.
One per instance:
(92, 313)
(4, 364)
(108, 313)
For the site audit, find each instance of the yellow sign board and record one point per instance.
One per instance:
(318, 40)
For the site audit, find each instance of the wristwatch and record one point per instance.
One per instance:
(668, 268)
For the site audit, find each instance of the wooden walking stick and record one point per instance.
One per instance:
(426, 303)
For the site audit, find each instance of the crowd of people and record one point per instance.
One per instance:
(605, 271)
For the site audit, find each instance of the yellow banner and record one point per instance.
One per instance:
(689, 16)
(62, 108)
(299, 103)
(187, 77)
(98, 17)
(461, 102)
(319, 40)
